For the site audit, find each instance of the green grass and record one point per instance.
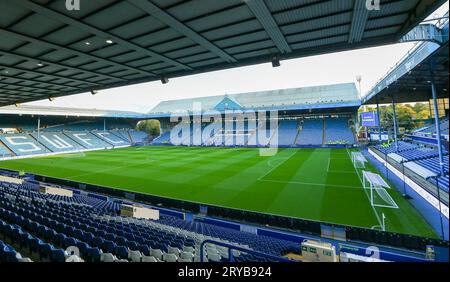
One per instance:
(315, 184)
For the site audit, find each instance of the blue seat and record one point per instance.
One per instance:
(121, 252)
(45, 251)
(97, 242)
(8, 254)
(89, 237)
(144, 249)
(108, 246)
(122, 241)
(69, 242)
(110, 236)
(59, 239)
(58, 255)
(93, 254)
(82, 247)
(133, 245)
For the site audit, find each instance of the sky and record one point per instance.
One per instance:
(369, 63)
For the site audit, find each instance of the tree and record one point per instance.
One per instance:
(151, 126)
(408, 116)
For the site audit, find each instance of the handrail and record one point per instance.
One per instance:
(232, 247)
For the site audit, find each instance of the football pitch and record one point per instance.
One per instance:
(310, 183)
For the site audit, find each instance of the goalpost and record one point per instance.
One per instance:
(379, 197)
(358, 160)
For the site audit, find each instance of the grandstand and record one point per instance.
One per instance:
(298, 126)
(65, 130)
(243, 177)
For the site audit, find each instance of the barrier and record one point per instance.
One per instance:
(240, 249)
(304, 226)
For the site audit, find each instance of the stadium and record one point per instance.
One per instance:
(320, 173)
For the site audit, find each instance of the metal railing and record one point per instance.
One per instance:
(240, 249)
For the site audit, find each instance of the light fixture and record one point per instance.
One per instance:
(93, 92)
(87, 43)
(276, 61)
(164, 80)
(6, 71)
(414, 88)
(109, 41)
(51, 99)
(17, 105)
(40, 64)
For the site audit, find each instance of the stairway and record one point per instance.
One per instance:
(131, 138)
(324, 127)
(7, 148)
(299, 129)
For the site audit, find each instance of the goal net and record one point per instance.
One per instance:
(376, 185)
(358, 160)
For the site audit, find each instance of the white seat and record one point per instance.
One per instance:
(184, 260)
(170, 257)
(121, 260)
(187, 255)
(213, 257)
(197, 259)
(135, 256)
(212, 252)
(157, 253)
(107, 257)
(149, 259)
(173, 250)
(74, 258)
(223, 254)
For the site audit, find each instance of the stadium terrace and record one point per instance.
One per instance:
(323, 173)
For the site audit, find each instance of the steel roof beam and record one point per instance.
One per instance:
(88, 28)
(26, 86)
(169, 20)
(425, 32)
(21, 70)
(66, 67)
(359, 20)
(25, 93)
(422, 9)
(78, 53)
(265, 18)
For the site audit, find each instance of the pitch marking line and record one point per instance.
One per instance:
(309, 183)
(368, 198)
(108, 169)
(338, 171)
(269, 162)
(274, 167)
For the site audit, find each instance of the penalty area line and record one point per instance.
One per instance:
(309, 183)
(365, 192)
(274, 167)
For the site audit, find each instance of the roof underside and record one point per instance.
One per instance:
(324, 96)
(28, 110)
(49, 51)
(414, 85)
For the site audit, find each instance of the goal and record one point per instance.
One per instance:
(358, 160)
(376, 185)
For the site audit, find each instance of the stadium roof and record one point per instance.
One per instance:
(410, 79)
(47, 50)
(68, 112)
(315, 97)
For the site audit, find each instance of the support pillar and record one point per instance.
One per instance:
(379, 121)
(394, 117)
